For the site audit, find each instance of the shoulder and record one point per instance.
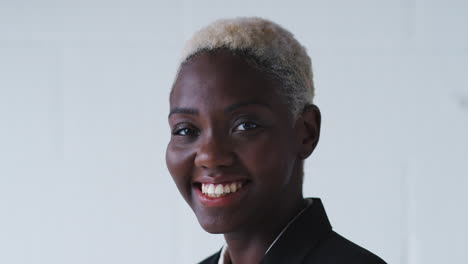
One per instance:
(213, 259)
(336, 249)
(310, 239)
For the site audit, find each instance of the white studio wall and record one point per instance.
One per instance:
(83, 126)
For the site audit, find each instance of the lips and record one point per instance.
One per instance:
(217, 193)
(220, 190)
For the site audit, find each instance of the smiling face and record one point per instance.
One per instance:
(233, 152)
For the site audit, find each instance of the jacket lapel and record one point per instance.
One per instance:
(301, 236)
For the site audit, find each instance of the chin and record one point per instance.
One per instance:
(215, 225)
(212, 230)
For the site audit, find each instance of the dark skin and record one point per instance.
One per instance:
(228, 122)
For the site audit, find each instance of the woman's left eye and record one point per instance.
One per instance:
(245, 126)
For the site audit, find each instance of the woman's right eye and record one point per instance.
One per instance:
(185, 131)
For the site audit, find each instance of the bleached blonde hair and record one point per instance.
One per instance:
(273, 49)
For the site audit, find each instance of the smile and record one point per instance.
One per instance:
(220, 190)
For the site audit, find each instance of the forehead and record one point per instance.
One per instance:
(224, 77)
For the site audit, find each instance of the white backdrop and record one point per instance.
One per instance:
(83, 126)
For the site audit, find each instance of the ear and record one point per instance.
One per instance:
(308, 130)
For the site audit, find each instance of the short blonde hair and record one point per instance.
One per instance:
(274, 48)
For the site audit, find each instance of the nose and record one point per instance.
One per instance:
(214, 153)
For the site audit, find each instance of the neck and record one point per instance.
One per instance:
(249, 245)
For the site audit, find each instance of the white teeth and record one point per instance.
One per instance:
(211, 189)
(218, 190)
(227, 188)
(233, 187)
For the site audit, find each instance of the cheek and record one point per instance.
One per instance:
(179, 162)
(270, 161)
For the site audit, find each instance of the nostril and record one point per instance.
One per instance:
(213, 159)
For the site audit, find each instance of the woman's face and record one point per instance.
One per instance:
(233, 152)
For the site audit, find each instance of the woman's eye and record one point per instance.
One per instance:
(245, 126)
(186, 131)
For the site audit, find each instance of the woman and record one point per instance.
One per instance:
(242, 123)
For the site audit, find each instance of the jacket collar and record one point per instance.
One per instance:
(298, 238)
(302, 235)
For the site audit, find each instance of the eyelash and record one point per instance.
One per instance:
(255, 126)
(183, 130)
(188, 131)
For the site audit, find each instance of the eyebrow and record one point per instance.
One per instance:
(183, 110)
(231, 108)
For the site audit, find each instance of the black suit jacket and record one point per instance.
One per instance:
(311, 240)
